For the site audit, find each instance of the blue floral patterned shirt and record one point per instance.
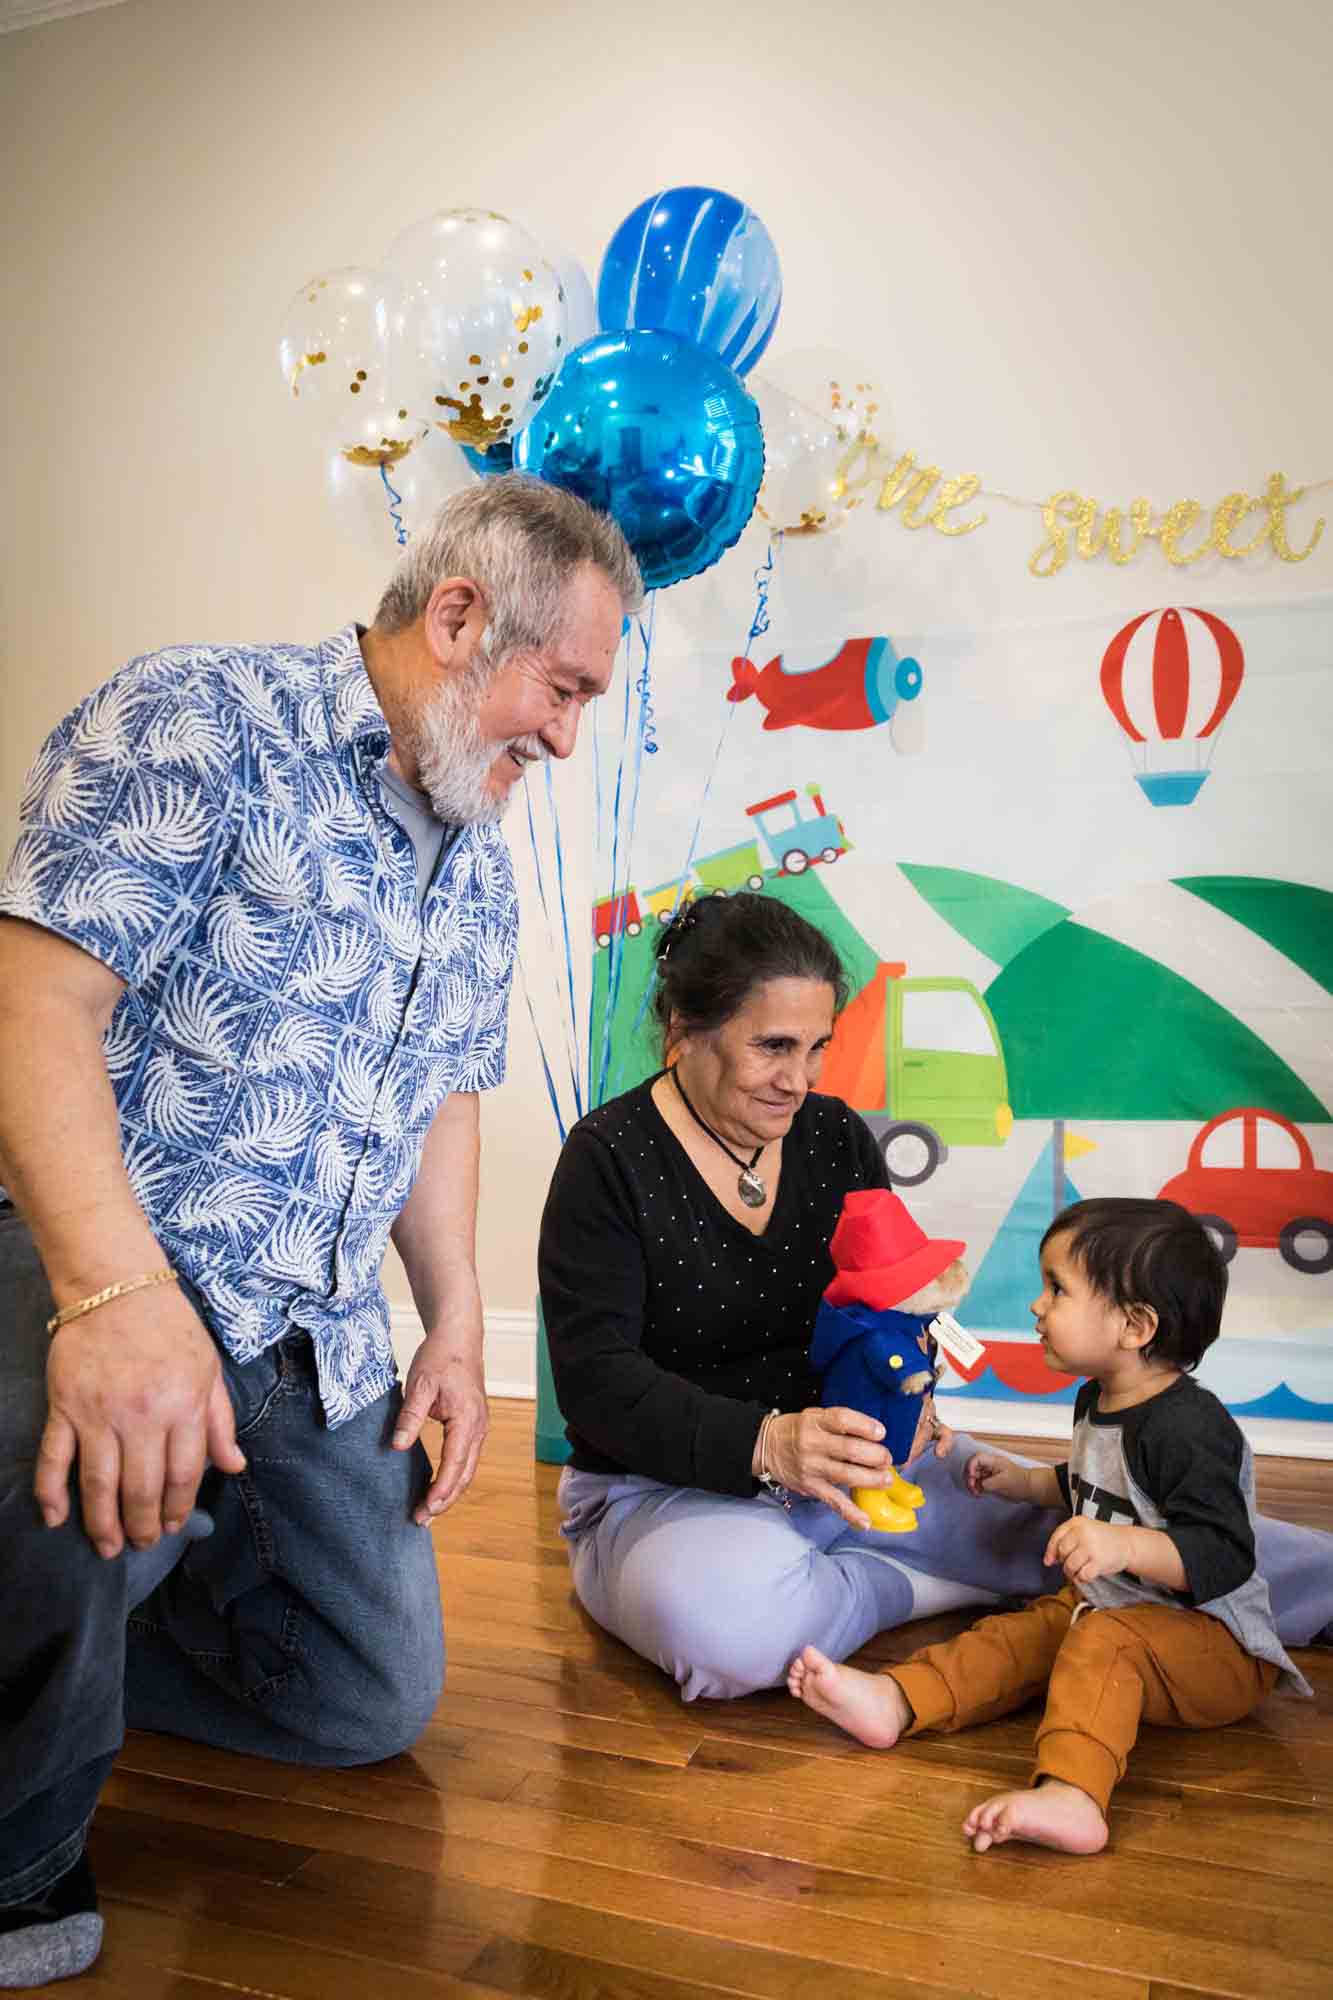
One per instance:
(209, 825)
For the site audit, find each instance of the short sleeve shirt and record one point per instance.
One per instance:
(209, 824)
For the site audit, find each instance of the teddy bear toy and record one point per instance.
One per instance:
(872, 1345)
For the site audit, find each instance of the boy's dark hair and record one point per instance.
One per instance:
(1151, 1253)
(716, 951)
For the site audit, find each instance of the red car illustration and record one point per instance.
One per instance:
(1252, 1181)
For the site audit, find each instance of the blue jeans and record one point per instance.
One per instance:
(306, 1627)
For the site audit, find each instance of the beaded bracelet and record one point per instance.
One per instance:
(766, 1479)
(166, 1276)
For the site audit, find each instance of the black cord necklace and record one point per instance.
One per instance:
(749, 1187)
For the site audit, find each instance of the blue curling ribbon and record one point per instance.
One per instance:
(644, 686)
(641, 747)
(541, 1050)
(395, 502)
(763, 578)
(572, 1027)
(598, 1096)
(551, 959)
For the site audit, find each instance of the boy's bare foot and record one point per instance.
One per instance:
(1051, 1814)
(871, 1707)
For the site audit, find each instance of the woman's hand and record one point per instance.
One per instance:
(822, 1452)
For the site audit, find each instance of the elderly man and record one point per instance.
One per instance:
(255, 954)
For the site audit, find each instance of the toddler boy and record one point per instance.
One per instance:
(1164, 1617)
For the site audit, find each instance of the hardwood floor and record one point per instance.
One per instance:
(568, 1828)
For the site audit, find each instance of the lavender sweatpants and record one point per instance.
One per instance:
(721, 1592)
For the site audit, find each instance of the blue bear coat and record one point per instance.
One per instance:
(861, 1355)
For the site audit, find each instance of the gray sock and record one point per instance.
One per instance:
(54, 1935)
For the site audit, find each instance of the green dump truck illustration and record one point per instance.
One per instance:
(921, 1060)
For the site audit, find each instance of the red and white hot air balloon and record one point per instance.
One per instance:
(1169, 678)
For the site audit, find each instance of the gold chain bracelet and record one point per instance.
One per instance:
(166, 1276)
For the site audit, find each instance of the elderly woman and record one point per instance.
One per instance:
(683, 1255)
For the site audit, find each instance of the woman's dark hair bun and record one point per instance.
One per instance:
(717, 949)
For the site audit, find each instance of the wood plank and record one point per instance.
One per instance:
(568, 1827)
(1004, 1901)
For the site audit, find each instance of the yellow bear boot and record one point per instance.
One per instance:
(892, 1508)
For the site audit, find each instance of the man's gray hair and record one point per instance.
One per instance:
(522, 541)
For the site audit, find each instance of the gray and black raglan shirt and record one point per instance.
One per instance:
(1179, 1463)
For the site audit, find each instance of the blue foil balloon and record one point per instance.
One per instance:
(659, 434)
(496, 458)
(694, 261)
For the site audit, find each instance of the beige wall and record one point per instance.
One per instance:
(1080, 247)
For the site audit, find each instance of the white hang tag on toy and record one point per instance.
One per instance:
(965, 1354)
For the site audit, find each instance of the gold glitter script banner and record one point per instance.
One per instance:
(1076, 525)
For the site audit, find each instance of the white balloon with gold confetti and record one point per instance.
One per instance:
(484, 322)
(338, 349)
(385, 483)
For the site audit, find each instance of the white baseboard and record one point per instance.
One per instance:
(511, 1372)
(510, 1355)
(1270, 1437)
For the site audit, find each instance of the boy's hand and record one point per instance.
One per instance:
(992, 1472)
(1086, 1549)
(930, 1432)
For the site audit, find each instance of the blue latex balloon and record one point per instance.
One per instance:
(496, 458)
(659, 434)
(694, 261)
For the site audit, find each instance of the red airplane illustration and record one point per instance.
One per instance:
(862, 685)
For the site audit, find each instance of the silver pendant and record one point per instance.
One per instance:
(751, 1189)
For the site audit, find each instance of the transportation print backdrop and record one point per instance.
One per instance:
(1081, 875)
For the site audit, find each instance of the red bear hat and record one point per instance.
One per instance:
(882, 1255)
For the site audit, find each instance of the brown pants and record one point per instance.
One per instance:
(1104, 1672)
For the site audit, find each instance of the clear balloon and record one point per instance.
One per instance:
(659, 434)
(580, 305)
(802, 488)
(838, 392)
(337, 348)
(385, 484)
(484, 322)
(698, 262)
(580, 325)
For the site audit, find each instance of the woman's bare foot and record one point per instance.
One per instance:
(871, 1707)
(1051, 1814)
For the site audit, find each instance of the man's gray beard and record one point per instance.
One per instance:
(453, 761)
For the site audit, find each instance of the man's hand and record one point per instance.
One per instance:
(1085, 1549)
(135, 1393)
(447, 1385)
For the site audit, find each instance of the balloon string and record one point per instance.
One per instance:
(617, 902)
(617, 966)
(571, 1036)
(550, 951)
(641, 747)
(643, 686)
(541, 1050)
(395, 502)
(763, 578)
(599, 844)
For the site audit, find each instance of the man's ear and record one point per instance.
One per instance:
(1140, 1326)
(455, 611)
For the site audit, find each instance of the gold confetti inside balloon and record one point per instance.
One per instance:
(393, 474)
(803, 452)
(337, 347)
(484, 320)
(840, 393)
